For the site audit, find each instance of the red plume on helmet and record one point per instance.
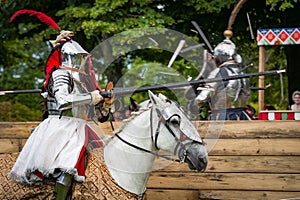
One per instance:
(54, 60)
(41, 16)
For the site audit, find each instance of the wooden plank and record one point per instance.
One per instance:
(248, 129)
(267, 146)
(10, 145)
(157, 194)
(16, 129)
(282, 146)
(222, 130)
(225, 181)
(255, 164)
(10, 130)
(247, 195)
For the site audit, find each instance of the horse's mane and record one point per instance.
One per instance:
(128, 120)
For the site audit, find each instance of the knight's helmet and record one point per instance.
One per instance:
(226, 50)
(73, 55)
(68, 54)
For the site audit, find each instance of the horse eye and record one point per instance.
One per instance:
(174, 121)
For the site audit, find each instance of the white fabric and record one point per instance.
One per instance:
(297, 115)
(271, 116)
(55, 143)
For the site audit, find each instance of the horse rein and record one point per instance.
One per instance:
(145, 150)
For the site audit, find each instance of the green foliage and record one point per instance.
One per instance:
(13, 112)
(23, 68)
(216, 6)
(281, 5)
(144, 73)
(24, 48)
(100, 19)
(278, 83)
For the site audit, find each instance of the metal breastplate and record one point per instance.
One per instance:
(233, 87)
(66, 97)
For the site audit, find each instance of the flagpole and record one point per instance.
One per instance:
(261, 79)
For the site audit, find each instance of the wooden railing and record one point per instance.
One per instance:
(250, 160)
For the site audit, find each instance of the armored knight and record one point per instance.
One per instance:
(222, 95)
(225, 58)
(58, 147)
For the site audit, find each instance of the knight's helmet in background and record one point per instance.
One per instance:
(226, 50)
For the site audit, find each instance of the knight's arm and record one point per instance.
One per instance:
(209, 88)
(62, 90)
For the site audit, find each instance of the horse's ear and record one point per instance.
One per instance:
(157, 100)
(152, 97)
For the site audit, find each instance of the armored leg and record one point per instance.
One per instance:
(63, 187)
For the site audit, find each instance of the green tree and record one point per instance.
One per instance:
(24, 45)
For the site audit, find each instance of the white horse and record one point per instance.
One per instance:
(129, 155)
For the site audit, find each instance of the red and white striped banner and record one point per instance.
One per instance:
(279, 115)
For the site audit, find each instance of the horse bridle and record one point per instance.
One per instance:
(181, 144)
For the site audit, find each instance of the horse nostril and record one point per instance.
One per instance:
(203, 161)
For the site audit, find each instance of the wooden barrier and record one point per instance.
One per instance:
(250, 160)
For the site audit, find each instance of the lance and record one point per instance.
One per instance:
(203, 37)
(168, 86)
(20, 91)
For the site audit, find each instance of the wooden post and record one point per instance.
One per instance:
(261, 79)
